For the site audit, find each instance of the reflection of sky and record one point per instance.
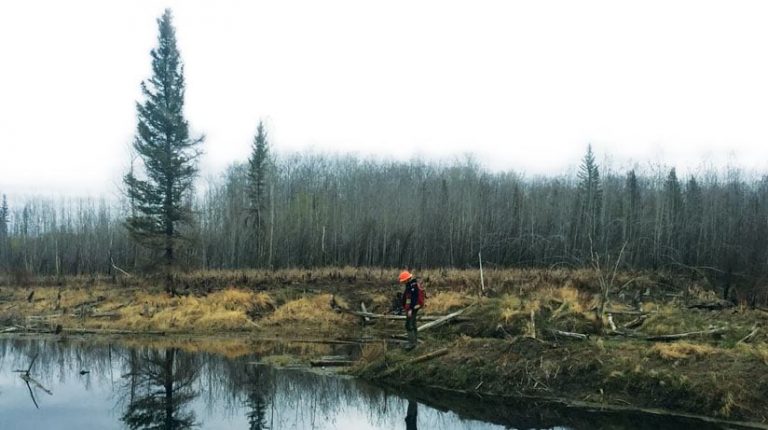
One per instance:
(92, 401)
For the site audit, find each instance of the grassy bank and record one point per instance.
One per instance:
(505, 347)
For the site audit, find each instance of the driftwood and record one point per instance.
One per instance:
(441, 321)
(569, 334)
(748, 338)
(666, 337)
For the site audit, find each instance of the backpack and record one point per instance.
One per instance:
(421, 301)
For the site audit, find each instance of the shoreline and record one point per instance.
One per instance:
(491, 351)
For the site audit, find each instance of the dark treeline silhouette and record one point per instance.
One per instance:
(319, 210)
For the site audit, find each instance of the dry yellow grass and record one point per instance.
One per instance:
(757, 350)
(511, 306)
(443, 302)
(221, 310)
(314, 311)
(681, 350)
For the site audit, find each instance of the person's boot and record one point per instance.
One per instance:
(411, 340)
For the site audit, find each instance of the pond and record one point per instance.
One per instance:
(50, 383)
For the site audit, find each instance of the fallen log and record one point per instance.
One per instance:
(635, 323)
(569, 334)
(441, 321)
(397, 317)
(90, 302)
(113, 315)
(748, 338)
(619, 312)
(666, 337)
(404, 338)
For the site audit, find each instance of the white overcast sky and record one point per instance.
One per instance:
(524, 85)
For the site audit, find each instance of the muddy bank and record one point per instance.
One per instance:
(723, 385)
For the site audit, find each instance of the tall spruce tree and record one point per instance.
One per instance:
(166, 151)
(589, 201)
(258, 166)
(257, 176)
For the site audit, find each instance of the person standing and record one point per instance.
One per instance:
(413, 300)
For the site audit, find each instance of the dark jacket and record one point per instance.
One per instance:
(411, 295)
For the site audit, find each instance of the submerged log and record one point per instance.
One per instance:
(666, 337)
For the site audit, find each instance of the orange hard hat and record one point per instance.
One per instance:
(404, 276)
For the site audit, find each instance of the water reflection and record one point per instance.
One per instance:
(116, 387)
(256, 402)
(159, 390)
(411, 415)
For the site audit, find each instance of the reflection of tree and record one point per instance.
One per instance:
(159, 389)
(256, 399)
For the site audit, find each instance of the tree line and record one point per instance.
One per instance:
(317, 210)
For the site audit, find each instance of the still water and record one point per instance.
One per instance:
(75, 384)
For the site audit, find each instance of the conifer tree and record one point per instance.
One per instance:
(165, 149)
(589, 200)
(673, 210)
(257, 176)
